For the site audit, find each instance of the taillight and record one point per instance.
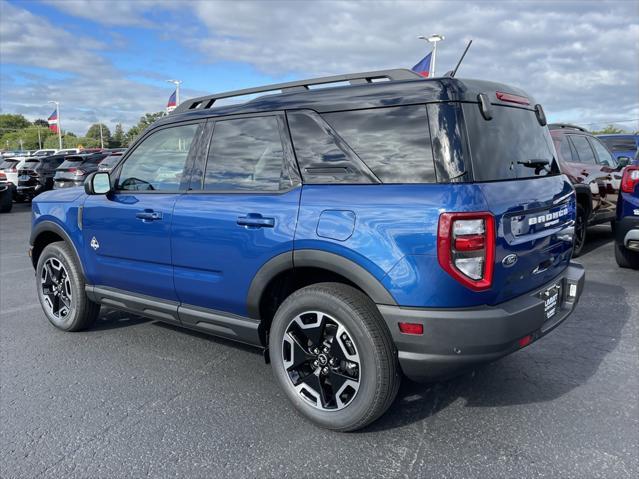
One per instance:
(77, 171)
(3, 177)
(466, 248)
(630, 179)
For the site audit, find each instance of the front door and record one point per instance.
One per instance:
(127, 232)
(240, 212)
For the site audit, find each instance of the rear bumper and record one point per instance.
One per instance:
(455, 339)
(627, 232)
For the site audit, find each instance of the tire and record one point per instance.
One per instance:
(626, 258)
(613, 226)
(580, 231)
(6, 201)
(58, 268)
(370, 387)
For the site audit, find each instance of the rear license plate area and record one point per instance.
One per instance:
(552, 300)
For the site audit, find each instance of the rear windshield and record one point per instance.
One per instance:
(74, 162)
(8, 164)
(30, 164)
(619, 144)
(511, 145)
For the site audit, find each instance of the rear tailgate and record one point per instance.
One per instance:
(514, 165)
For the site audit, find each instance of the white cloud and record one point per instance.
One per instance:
(577, 58)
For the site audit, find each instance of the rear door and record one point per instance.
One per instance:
(598, 177)
(514, 165)
(240, 211)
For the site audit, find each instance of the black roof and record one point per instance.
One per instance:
(357, 95)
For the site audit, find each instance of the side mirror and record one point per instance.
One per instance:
(97, 183)
(623, 161)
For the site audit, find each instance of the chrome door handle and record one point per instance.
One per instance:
(149, 215)
(255, 220)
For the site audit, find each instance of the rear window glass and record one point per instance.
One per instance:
(620, 144)
(8, 164)
(393, 142)
(511, 145)
(111, 160)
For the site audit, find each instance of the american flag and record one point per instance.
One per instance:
(53, 121)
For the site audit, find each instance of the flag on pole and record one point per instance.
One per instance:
(172, 103)
(423, 67)
(53, 121)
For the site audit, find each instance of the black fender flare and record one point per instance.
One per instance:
(52, 227)
(317, 259)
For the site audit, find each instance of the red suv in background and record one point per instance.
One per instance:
(594, 173)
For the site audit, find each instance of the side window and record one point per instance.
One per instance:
(565, 150)
(157, 164)
(246, 154)
(322, 155)
(603, 155)
(585, 153)
(393, 142)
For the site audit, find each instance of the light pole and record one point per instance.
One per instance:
(434, 38)
(57, 114)
(101, 137)
(177, 90)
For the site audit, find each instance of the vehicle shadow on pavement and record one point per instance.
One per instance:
(114, 319)
(555, 365)
(596, 237)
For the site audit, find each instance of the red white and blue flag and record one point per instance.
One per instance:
(172, 103)
(423, 67)
(53, 121)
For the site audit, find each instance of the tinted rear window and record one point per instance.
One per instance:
(393, 142)
(620, 144)
(8, 164)
(501, 148)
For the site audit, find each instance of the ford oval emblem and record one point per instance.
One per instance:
(509, 260)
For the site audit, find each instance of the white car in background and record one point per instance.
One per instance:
(44, 152)
(68, 151)
(10, 167)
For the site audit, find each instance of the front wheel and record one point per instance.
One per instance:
(60, 284)
(626, 258)
(334, 357)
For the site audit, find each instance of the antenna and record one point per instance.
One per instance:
(461, 59)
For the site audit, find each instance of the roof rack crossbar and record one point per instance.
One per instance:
(208, 101)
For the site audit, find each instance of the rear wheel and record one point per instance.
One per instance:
(333, 355)
(6, 201)
(60, 284)
(580, 231)
(626, 258)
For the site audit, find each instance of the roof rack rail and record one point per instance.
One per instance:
(204, 102)
(555, 126)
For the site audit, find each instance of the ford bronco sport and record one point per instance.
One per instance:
(391, 226)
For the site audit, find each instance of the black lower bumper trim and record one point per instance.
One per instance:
(454, 339)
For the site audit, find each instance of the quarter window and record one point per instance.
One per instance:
(393, 142)
(157, 164)
(246, 154)
(584, 151)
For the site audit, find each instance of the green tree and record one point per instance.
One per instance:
(9, 122)
(94, 133)
(119, 138)
(609, 130)
(145, 121)
(29, 137)
(41, 122)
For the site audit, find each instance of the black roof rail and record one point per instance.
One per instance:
(556, 126)
(207, 101)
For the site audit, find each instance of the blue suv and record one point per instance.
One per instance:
(358, 228)
(627, 225)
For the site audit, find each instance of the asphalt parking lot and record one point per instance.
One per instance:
(134, 398)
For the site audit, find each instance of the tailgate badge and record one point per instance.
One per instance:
(94, 243)
(509, 260)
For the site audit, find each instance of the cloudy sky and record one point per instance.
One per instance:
(109, 60)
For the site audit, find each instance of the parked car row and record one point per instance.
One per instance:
(28, 176)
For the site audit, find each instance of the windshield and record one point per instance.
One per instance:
(512, 145)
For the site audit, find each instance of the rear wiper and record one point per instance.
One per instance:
(538, 165)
